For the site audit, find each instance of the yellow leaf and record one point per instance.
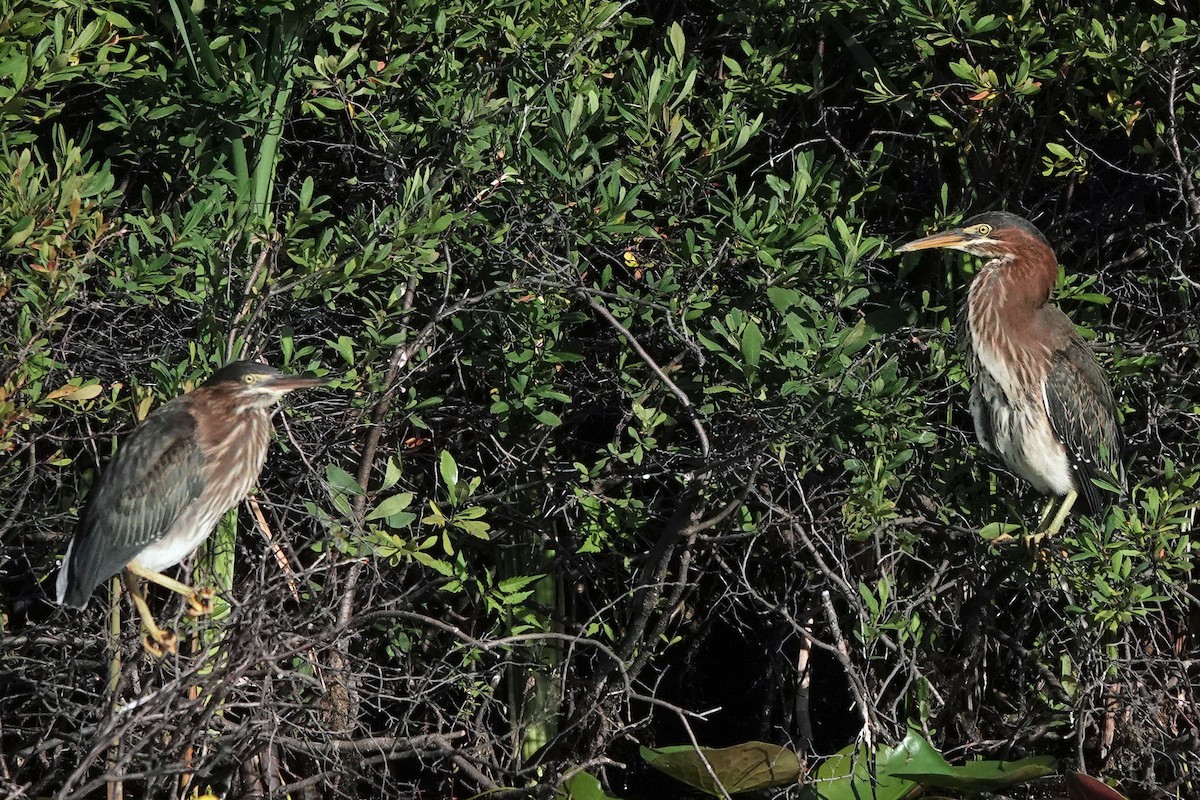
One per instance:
(143, 407)
(78, 394)
(87, 392)
(66, 390)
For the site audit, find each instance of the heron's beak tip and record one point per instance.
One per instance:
(290, 383)
(943, 239)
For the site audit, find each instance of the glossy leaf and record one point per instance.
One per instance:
(740, 768)
(983, 776)
(582, 786)
(1081, 786)
(857, 771)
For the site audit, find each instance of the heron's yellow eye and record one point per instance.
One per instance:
(249, 379)
(983, 230)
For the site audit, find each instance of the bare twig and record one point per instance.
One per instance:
(650, 362)
(866, 708)
(280, 559)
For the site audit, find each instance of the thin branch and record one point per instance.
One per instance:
(650, 362)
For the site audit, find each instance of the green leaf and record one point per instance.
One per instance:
(752, 342)
(1059, 151)
(995, 529)
(475, 528)
(982, 776)
(582, 786)
(857, 338)
(856, 296)
(306, 192)
(435, 516)
(436, 564)
(343, 481)
(782, 299)
(19, 232)
(545, 160)
(391, 474)
(345, 348)
(741, 768)
(856, 772)
(472, 512)
(677, 41)
(391, 506)
(547, 417)
(449, 471)
(963, 70)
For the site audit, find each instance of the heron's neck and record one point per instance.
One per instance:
(1010, 292)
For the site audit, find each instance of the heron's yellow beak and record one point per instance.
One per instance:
(955, 239)
(290, 383)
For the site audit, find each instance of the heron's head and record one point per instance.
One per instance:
(249, 383)
(996, 234)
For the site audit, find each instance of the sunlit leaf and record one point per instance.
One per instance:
(392, 505)
(340, 479)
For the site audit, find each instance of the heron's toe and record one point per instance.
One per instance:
(161, 642)
(201, 602)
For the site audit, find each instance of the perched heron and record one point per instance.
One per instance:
(1039, 399)
(173, 479)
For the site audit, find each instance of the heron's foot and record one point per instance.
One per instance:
(1035, 539)
(1027, 547)
(200, 602)
(160, 641)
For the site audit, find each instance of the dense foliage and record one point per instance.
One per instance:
(632, 413)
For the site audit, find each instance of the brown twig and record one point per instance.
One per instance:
(280, 558)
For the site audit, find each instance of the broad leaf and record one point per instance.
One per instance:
(1084, 787)
(855, 773)
(392, 505)
(983, 776)
(582, 787)
(741, 768)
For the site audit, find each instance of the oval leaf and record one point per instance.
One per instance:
(1081, 786)
(752, 342)
(391, 506)
(854, 772)
(341, 480)
(983, 776)
(741, 768)
(449, 470)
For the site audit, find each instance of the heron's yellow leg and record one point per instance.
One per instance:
(1061, 516)
(199, 600)
(158, 641)
(1045, 531)
(1042, 530)
(1045, 514)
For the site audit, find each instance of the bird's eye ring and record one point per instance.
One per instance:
(249, 379)
(984, 229)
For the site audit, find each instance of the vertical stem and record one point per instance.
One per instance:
(534, 685)
(804, 676)
(213, 568)
(116, 787)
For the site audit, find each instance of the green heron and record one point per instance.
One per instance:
(163, 493)
(1039, 399)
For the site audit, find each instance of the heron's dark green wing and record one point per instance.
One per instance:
(1083, 414)
(155, 474)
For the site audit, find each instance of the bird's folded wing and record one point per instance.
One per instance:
(1083, 415)
(156, 473)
